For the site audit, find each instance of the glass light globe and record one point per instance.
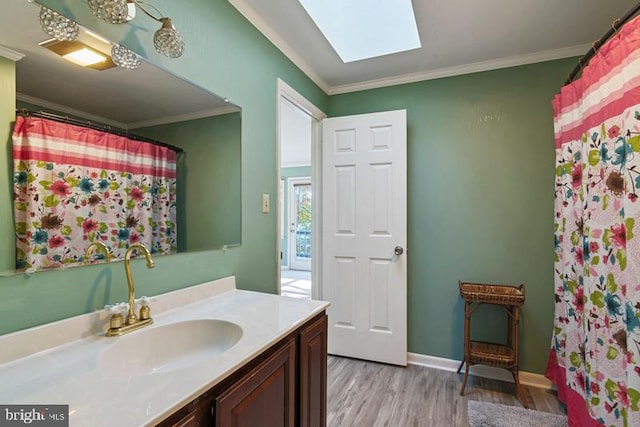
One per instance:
(111, 11)
(167, 40)
(58, 26)
(124, 57)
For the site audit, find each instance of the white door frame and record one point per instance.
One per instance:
(292, 239)
(287, 92)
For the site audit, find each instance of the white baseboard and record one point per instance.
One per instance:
(526, 378)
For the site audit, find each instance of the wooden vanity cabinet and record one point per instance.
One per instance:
(285, 386)
(265, 397)
(312, 375)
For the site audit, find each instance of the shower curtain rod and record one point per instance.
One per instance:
(95, 126)
(596, 44)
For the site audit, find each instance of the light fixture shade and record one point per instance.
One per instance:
(167, 40)
(58, 26)
(111, 11)
(125, 58)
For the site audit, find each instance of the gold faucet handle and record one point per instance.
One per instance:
(117, 308)
(145, 310)
(116, 311)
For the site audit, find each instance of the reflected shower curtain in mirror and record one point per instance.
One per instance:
(595, 354)
(74, 186)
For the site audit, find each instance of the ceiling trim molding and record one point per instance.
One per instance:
(184, 117)
(258, 22)
(249, 13)
(10, 54)
(72, 111)
(477, 67)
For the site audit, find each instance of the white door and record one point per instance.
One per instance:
(300, 211)
(364, 228)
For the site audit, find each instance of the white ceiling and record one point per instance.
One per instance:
(458, 37)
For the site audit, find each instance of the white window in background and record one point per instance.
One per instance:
(361, 29)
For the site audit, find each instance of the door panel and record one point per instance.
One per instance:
(345, 201)
(364, 219)
(380, 286)
(345, 291)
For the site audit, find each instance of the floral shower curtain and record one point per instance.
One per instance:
(595, 354)
(74, 186)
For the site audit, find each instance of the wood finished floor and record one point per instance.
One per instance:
(368, 394)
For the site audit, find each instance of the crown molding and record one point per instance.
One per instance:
(494, 64)
(513, 61)
(184, 117)
(256, 20)
(5, 52)
(71, 111)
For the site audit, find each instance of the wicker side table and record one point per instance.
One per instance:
(510, 298)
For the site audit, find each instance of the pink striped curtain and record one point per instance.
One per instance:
(595, 354)
(74, 186)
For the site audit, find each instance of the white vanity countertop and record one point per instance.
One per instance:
(71, 374)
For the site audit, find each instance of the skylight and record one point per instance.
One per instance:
(361, 29)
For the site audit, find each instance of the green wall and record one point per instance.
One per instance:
(480, 182)
(285, 174)
(209, 190)
(480, 199)
(225, 55)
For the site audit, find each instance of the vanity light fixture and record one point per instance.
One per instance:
(85, 57)
(58, 26)
(111, 11)
(79, 54)
(167, 40)
(125, 58)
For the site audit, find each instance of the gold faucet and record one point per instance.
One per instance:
(118, 325)
(99, 247)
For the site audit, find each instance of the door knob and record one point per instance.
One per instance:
(398, 250)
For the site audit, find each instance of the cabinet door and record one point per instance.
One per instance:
(198, 413)
(194, 420)
(265, 397)
(313, 374)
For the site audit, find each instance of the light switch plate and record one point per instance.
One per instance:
(265, 203)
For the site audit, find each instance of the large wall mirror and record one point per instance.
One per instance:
(146, 101)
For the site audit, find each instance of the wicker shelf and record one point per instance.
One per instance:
(510, 298)
(492, 294)
(491, 353)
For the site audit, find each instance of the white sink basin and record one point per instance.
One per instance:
(169, 347)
